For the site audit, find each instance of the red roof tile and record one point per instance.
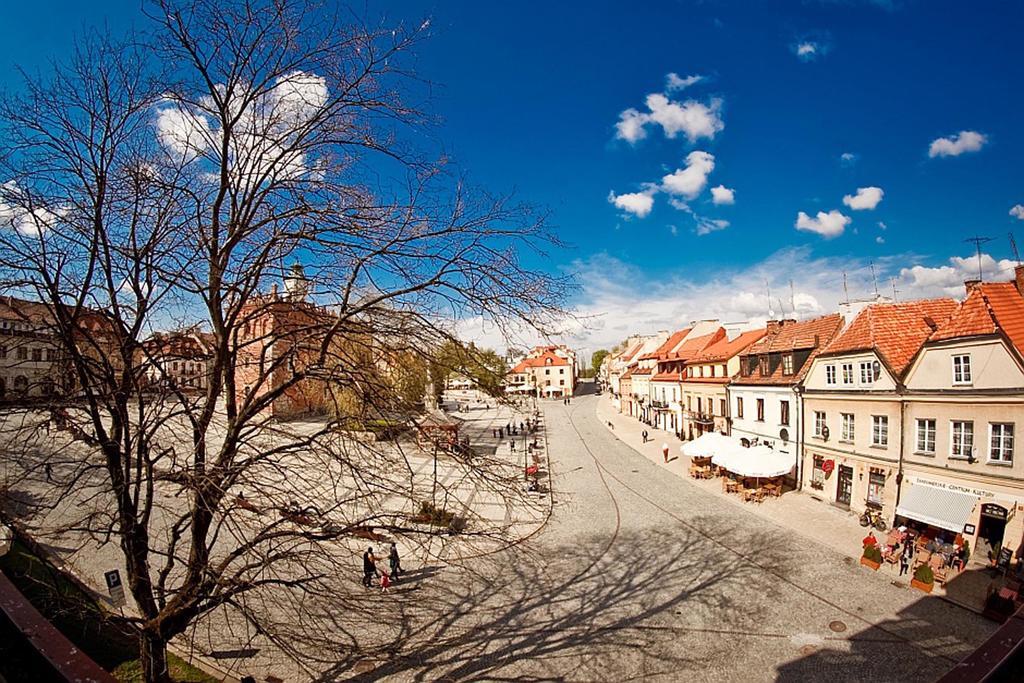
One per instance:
(692, 347)
(724, 348)
(793, 336)
(670, 343)
(989, 308)
(540, 362)
(628, 355)
(895, 331)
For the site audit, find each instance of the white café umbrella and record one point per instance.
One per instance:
(707, 445)
(759, 462)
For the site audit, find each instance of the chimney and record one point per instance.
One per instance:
(773, 327)
(1018, 279)
(970, 285)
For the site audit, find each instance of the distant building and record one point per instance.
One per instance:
(181, 360)
(545, 372)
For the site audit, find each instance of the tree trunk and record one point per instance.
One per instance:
(153, 656)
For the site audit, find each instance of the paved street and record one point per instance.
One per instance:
(642, 575)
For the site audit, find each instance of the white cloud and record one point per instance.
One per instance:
(948, 280)
(879, 240)
(828, 225)
(882, 225)
(690, 181)
(955, 145)
(847, 158)
(674, 82)
(807, 50)
(1018, 211)
(707, 226)
(631, 126)
(723, 195)
(694, 119)
(637, 203)
(867, 198)
(24, 212)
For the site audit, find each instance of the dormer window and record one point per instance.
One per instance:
(830, 374)
(763, 361)
(962, 369)
(787, 364)
(867, 373)
(847, 373)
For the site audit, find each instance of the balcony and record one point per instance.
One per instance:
(659, 404)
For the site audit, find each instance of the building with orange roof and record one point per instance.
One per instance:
(704, 375)
(545, 372)
(764, 396)
(853, 412)
(962, 467)
(664, 405)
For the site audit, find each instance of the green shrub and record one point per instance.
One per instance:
(872, 553)
(924, 574)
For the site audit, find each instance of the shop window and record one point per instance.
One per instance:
(962, 369)
(847, 432)
(760, 410)
(739, 407)
(784, 413)
(787, 364)
(879, 430)
(830, 374)
(926, 436)
(1001, 446)
(819, 424)
(847, 373)
(961, 439)
(818, 473)
(876, 486)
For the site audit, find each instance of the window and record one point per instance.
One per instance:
(876, 486)
(1001, 448)
(961, 369)
(879, 430)
(689, 403)
(760, 410)
(724, 371)
(561, 382)
(961, 439)
(700, 405)
(561, 371)
(818, 473)
(847, 434)
(867, 372)
(784, 413)
(22, 354)
(847, 373)
(547, 371)
(3, 352)
(819, 424)
(37, 355)
(764, 365)
(711, 407)
(830, 374)
(739, 407)
(926, 436)
(721, 406)
(787, 364)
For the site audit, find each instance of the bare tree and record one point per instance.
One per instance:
(176, 178)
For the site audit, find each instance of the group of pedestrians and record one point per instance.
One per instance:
(386, 578)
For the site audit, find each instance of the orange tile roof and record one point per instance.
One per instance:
(691, 347)
(793, 336)
(628, 355)
(642, 371)
(670, 343)
(989, 308)
(896, 331)
(666, 377)
(540, 362)
(723, 349)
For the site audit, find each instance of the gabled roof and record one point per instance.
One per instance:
(671, 343)
(895, 331)
(692, 347)
(793, 336)
(990, 308)
(628, 355)
(724, 348)
(546, 359)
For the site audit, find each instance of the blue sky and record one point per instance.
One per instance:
(529, 96)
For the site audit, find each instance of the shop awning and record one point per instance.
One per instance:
(939, 507)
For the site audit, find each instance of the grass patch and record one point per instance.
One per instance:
(181, 671)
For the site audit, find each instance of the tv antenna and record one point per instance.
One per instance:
(895, 292)
(1013, 245)
(978, 241)
(792, 297)
(846, 292)
(874, 280)
(768, 289)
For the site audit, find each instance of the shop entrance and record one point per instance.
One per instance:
(991, 527)
(844, 490)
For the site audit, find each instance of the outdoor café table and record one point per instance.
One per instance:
(773, 489)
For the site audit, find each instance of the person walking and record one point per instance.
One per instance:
(394, 562)
(644, 435)
(664, 451)
(512, 445)
(369, 567)
(385, 582)
(906, 556)
(48, 469)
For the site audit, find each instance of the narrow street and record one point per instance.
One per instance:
(642, 575)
